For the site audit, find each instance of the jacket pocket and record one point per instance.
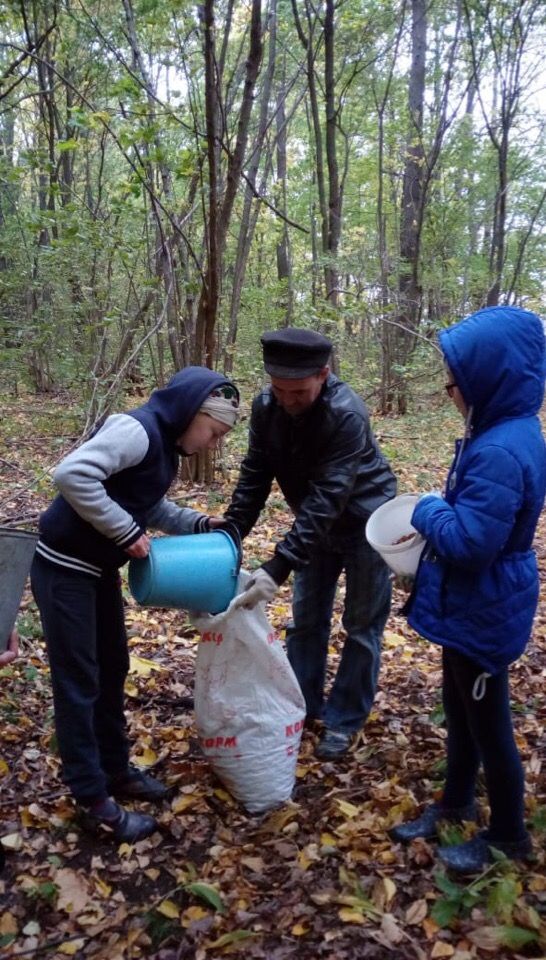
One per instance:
(495, 588)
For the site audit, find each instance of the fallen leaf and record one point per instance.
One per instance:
(277, 820)
(8, 923)
(256, 864)
(441, 949)
(417, 912)
(390, 929)
(351, 916)
(12, 841)
(193, 914)
(383, 892)
(207, 893)
(347, 809)
(103, 888)
(70, 947)
(73, 890)
(169, 909)
(141, 667)
(182, 803)
(234, 936)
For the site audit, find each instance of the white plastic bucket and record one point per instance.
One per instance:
(390, 522)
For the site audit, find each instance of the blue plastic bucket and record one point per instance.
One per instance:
(194, 572)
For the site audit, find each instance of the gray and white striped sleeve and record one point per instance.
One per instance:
(120, 443)
(172, 519)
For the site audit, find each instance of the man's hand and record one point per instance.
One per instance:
(12, 651)
(260, 589)
(140, 548)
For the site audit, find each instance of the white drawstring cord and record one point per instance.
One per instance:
(479, 688)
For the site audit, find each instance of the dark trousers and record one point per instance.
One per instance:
(367, 604)
(82, 619)
(480, 731)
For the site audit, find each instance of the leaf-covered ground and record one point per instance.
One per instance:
(317, 878)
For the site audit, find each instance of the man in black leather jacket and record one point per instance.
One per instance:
(311, 433)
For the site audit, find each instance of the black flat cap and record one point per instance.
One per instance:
(294, 353)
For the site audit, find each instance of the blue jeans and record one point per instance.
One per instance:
(367, 605)
(480, 731)
(82, 619)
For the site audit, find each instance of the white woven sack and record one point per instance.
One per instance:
(249, 708)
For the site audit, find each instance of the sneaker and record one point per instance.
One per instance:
(426, 825)
(134, 784)
(333, 745)
(125, 826)
(475, 854)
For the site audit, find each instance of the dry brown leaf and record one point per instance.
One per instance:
(73, 890)
(383, 892)
(441, 949)
(417, 912)
(12, 841)
(8, 923)
(390, 929)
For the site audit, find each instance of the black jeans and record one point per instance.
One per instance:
(481, 731)
(82, 619)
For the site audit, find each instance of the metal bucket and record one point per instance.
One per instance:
(192, 572)
(16, 553)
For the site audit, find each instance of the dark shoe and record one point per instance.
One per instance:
(426, 825)
(474, 855)
(333, 745)
(126, 827)
(137, 785)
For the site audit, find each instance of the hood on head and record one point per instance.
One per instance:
(497, 358)
(176, 404)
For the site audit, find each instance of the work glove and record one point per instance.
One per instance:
(261, 588)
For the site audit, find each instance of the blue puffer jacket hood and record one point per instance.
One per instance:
(497, 358)
(175, 405)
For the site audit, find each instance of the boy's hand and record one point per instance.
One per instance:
(12, 651)
(215, 522)
(140, 548)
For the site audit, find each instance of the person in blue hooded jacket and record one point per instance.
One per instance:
(111, 489)
(477, 585)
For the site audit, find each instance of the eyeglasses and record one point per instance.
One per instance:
(450, 387)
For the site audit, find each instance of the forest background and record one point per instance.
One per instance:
(174, 180)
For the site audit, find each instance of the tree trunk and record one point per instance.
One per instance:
(284, 259)
(409, 288)
(219, 211)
